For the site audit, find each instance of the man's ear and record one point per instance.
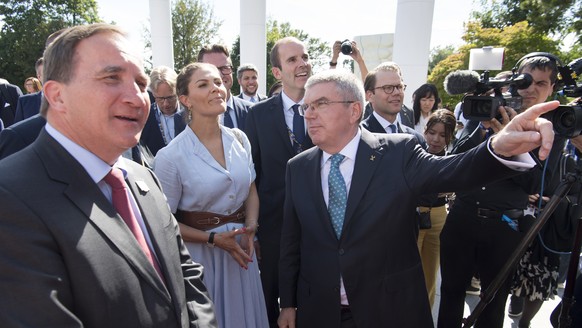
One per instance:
(357, 110)
(276, 72)
(53, 92)
(369, 94)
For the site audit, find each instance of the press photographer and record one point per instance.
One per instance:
(485, 224)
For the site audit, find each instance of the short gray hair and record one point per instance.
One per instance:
(346, 83)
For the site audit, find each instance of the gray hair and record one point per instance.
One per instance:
(346, 83)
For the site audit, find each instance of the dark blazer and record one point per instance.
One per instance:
(67, 252)
(371, 124)
(271, 149)
(259, 97)
(376, 254)
(20, 135)
(151, 136)
(241, 108)
(406, 115)
(28, 106)
(9, 95)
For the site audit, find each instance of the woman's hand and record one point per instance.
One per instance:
(227, 241)
(247, 240)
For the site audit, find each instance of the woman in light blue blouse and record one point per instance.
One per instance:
(207, 174)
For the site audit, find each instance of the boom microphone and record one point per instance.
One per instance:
(460, 82)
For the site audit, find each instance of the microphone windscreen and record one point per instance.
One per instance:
(459, 82)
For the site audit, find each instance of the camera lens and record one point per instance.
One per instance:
(346, 47)
(567, 119)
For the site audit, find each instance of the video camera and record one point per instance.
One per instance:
(478, 103)
(567, 120)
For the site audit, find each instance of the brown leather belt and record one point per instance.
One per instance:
(208, 220)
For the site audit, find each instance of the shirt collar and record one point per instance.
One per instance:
(384, 122)
(349, 151)
(288, 102)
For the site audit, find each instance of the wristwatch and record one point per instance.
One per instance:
(210, 241)
(332, 64)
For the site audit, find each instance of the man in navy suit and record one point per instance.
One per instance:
(248, 79)
(272, 129)
(9, 95)
(166, 120)
(363, 268)
(236, 108)
(385, 92)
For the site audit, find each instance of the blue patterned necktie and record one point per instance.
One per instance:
(227, 119)
(338, 197)
(298, 125)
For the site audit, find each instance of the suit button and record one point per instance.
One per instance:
(341, 251)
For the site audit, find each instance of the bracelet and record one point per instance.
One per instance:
(210, 241)
(332, 64)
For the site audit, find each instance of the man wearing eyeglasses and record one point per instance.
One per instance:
(385, 92)
(165, 121)
(348, 243)
(236, 108)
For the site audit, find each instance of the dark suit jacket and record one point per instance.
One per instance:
(20, 135)
(376, 254)
(67, 252)
(258, 96)
(271, 149)
(241, 108)
(406, 115)
(28, 106)
(9, 95)
(371, 124)
(151, 136)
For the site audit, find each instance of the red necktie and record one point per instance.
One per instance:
(121, 203)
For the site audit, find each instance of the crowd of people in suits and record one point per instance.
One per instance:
(296, 209)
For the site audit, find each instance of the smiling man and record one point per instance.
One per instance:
(248, 79)
(87, 237)
(277, 133)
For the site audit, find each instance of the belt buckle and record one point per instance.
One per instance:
(213, 220)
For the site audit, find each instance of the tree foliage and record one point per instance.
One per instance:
(552, 17)
(437, 54)
(193, 26)
(28, 23)
(319, 51)
(518, 40)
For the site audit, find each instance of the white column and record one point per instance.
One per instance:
(412, 42)
(161, 32)
(253, 37)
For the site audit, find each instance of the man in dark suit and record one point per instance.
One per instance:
(248, 79)
(386, 105)
(236, 108)
(166, 120)
(9, 95)
(80, 249)
(277, 134)
(28, 106)
(348, 247)
(20, 135)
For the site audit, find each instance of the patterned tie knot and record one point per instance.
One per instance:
(115, 179)
(336, 159)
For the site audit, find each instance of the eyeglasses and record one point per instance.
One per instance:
(388, 89)
(160, 100)
(225, 70)
(321, 104)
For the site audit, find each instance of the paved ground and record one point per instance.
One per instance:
(541, 320)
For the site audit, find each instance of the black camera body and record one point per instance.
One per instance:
(567, 120)
(484, 107)
(346, 47)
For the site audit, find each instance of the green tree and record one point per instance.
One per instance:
(553, 17)
(518, 40)
(27, 24)
(319, 51)
(437, 54)
(193, 26)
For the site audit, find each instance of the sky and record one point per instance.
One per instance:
(328, 20)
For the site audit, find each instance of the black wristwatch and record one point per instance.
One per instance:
(210, 241)
(332, 64)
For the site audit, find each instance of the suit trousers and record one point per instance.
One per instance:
(429, 247)
(269, 267)
(470, 243)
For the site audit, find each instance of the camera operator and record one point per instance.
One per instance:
(486, 224)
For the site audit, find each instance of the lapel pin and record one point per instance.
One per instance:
(372, 157)
(143, 187)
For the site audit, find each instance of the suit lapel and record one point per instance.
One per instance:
(368, 157)
(313, 174)
(88, 198)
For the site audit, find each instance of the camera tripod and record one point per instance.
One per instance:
(567, 300)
